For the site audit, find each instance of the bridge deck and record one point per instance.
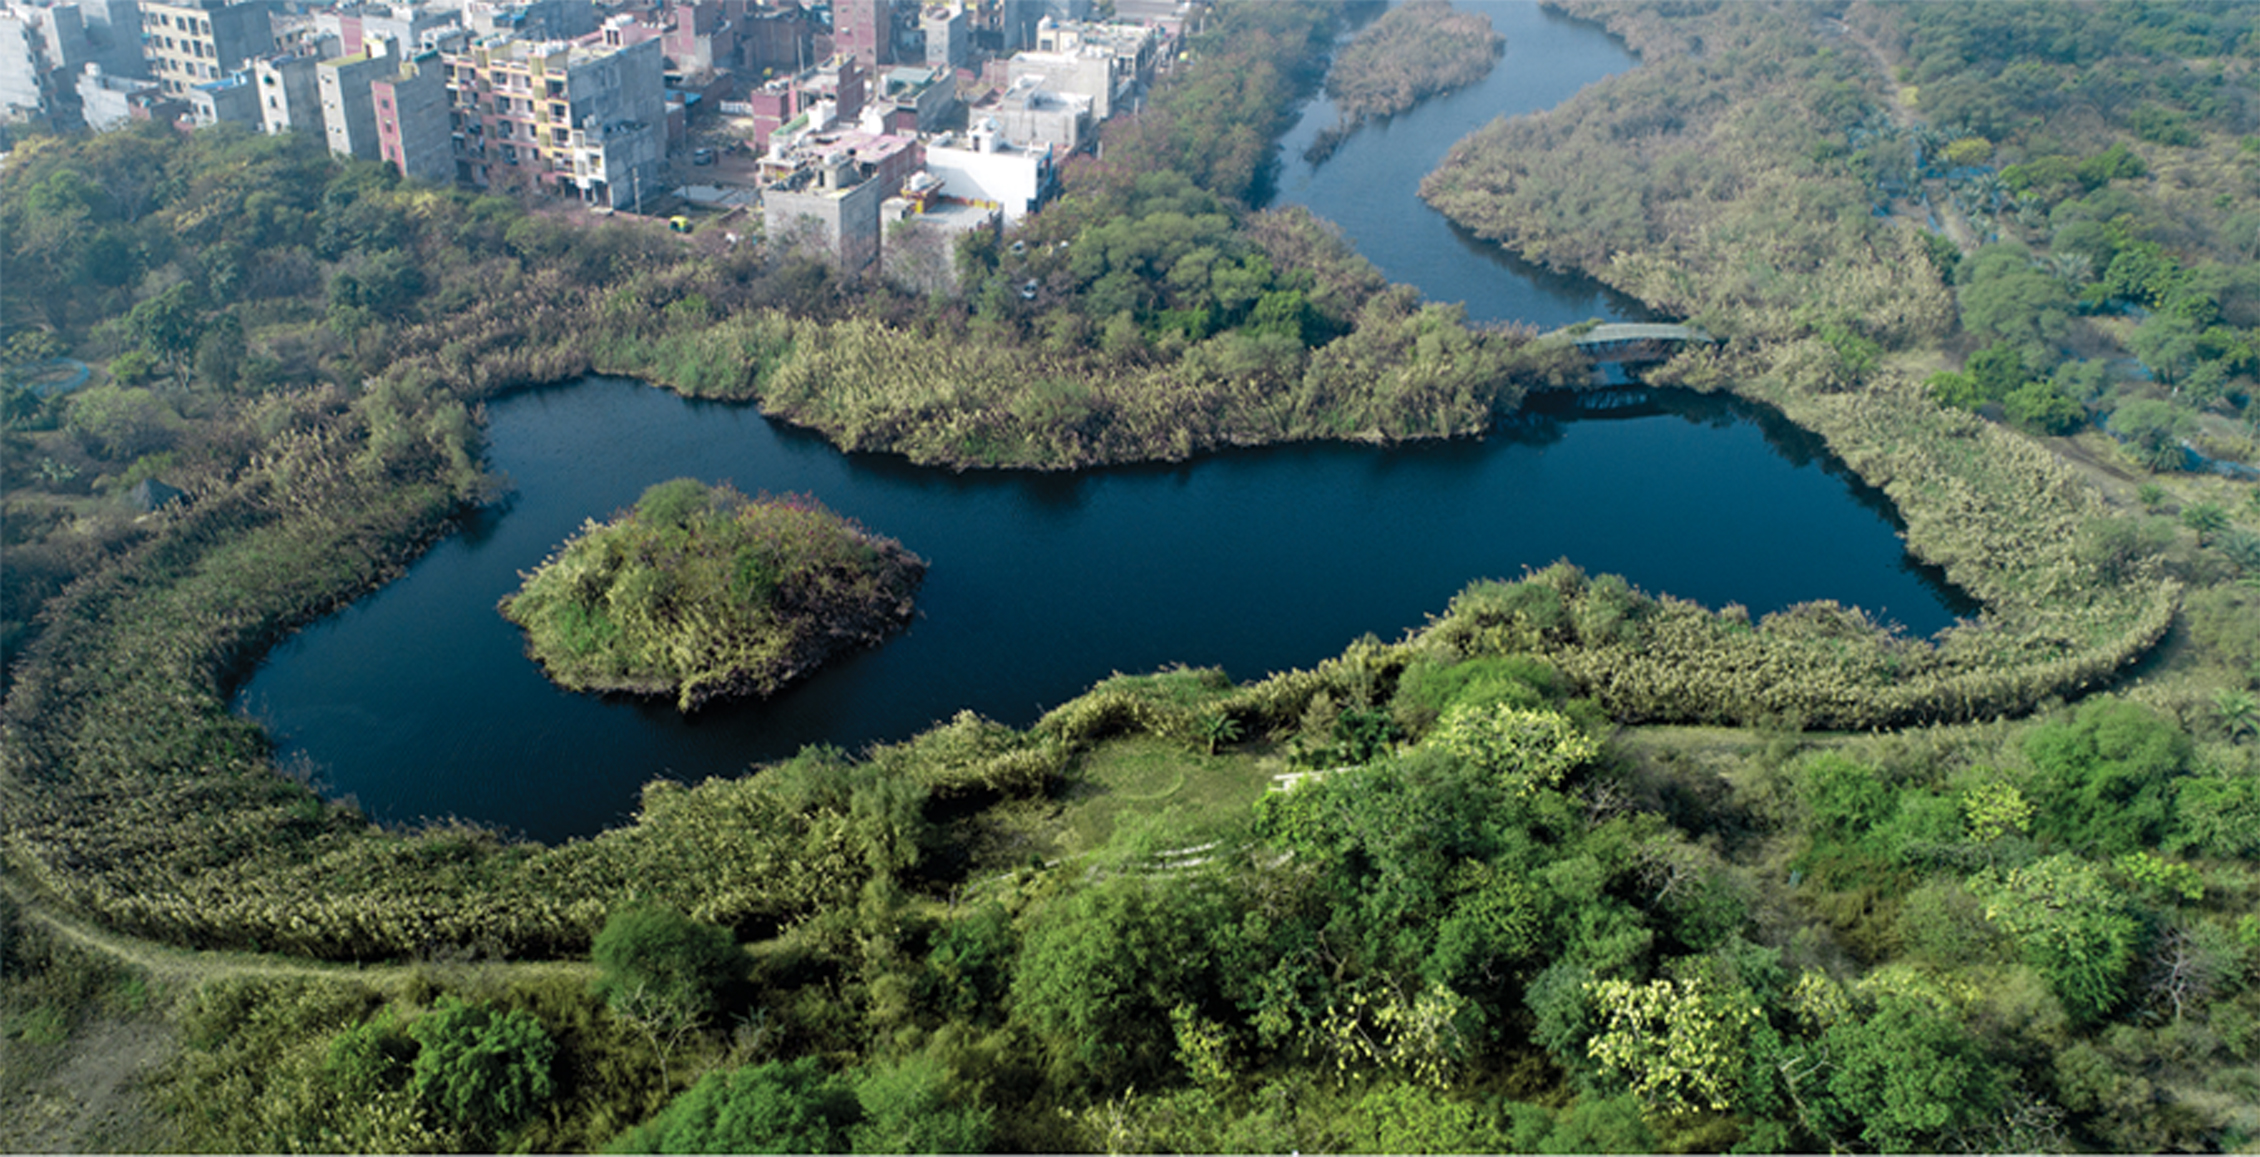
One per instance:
(1617, 333)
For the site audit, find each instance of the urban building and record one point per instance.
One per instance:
(189, 42)
(587, 116)
(106, 102)
(290, 93)
(787, 111)
(919, 232)
(833, 208)
(412, 119)
(774, 39)
(45, 46)
(864, 29)
(829, 190)
(232, 99)
(949, 36)
(700, 37)
(414, 27)
(911, 100)
(536, 20)
(1032, 116)
(1106, 62)
(1018, 20)
(988, 170)
(349, 112)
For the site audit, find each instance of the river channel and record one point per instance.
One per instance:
(418, 701)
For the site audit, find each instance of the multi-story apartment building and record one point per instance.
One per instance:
(412, 119)
(1106, 62)
(910, 100)
(865, 30)
(45, 44)
(587, 115)
(830, 189)
(189, 42)
(109, 101)
(532, 19)
(773, 39)
(349, 112)
(232, 99)
(290, 93)
(411, 26)
(949, 35)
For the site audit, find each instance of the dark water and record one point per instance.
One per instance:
(1370, 186)
(419, 700)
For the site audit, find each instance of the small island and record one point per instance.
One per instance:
(1413, 52)
(702, 593)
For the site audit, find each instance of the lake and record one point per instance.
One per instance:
(419, 701)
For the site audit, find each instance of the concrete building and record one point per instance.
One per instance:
(1017, 20)
(911, 100)
(885, 157)
(290, 94)
(26, 91)
(919, 232)
(834, 207)
(189, 42)
(1032, 116)
(987, 170)
(774, 40)
(1106, 62)
(232, 99)
(787, 110)
(587, 116)
(45, 46)
(828, 191)
(700, 37)
(106, 102)
(536, 20)
(864, 29)
(949, 36)
(414, 27)
(349, 113)
(412, 119)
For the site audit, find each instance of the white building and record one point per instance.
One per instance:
(987, 170)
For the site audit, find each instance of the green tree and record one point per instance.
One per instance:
(2154, 430)
(2208, 519)
(1908, 1078)
(906, 1108)
(484, 1067)
(169, 326)
(2070, 925)
(1100, 971)
(778, 1107)
(2004, 298)
(1528, 749)
(2041, 406)
(2107, 777)
(652, 957)
(121, 422)
(1680, 1046)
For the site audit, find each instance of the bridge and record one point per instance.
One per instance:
(1637, 341)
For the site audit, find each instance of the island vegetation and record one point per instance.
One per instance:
(1412, 52)
(703, 594)
(1429, 895)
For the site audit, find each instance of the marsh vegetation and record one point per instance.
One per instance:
(702, 594)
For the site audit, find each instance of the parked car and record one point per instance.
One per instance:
(702, 156)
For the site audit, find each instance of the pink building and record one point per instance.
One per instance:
(864, 29)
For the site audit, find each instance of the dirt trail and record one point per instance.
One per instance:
(88, 1093)
(184, 968)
